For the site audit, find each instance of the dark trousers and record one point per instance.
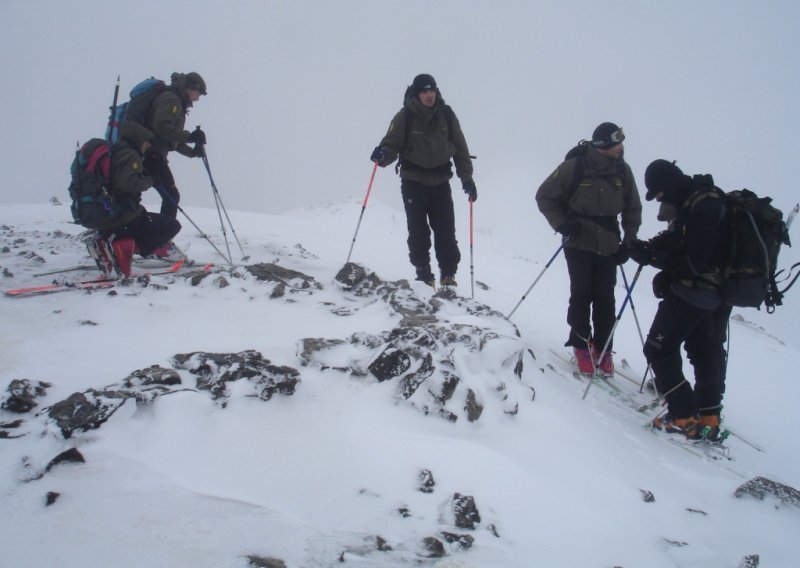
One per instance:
(592, 278)
(149, 230)
(431, 207)
(703, 334)
(157, 167)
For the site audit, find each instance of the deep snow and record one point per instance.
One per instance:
(306, 478)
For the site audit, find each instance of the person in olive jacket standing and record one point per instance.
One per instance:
(165, 119)
(585, 212)
(426, 135)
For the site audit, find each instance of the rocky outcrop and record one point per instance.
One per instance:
(214, 371)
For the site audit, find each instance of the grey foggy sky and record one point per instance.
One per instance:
(301, 91)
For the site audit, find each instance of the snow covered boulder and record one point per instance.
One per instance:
(21, 395)
(284, 279)
(761, 487)
(215, 370)
(83, 411)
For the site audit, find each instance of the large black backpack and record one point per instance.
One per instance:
(756, 231)
(93, 204)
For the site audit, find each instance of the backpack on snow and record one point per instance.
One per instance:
(93, 205)
(756, 231)
(135, 110)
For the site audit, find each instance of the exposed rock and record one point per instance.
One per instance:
(426, 481)
(493, 529)
(215, 370)
(750, 561)
(411, 382)
(51, 497)
(647, 496)
(447, 389)
(466, 512)
(419, 350)
(284, 278)
(72, 455)
(265, 562)
(431, 547)
(22, 394)
(472, 407)
(152, 376)
(463, 541)
(87, 410)
(382, 545)
(761, 487)
(392, 362)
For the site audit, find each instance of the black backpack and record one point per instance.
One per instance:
(756, 231)
(93, 204)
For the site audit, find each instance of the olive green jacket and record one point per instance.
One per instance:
(128, 181)
(606, 191)
(166, 118)
(433, 141)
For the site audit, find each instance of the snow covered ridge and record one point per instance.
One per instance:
(297, 413)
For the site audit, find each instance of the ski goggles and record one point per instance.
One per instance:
(616, 138)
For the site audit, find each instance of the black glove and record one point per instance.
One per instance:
(197, 136)
(570, 229)
(661, 284)
(199, 151)
(622, 255)
(471, 190)
(378, 155)
(639, 251)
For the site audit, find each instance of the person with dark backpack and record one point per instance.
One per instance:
(427, 137)
(582, 200)
(691, 255)
(133, 229)
(165, 118)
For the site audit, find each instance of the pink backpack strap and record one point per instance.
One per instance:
(100, 155)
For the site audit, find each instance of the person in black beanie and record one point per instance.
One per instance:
(426, 135)
(582, 200)
(691, 312)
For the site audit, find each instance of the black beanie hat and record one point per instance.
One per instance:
(423, 82)
(195, 82)
(607, 135)
(666, 178)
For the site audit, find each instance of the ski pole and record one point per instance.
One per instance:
(546, 266)
(166, 195)
(471, 262)
(616, 322)
(639, 329)
(363, 207)
(220, 205)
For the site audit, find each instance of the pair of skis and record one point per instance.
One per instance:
(93, 284)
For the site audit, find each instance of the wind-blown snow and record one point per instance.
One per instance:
(314, 477)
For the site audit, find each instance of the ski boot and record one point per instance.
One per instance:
(583, 358)
(100, 251)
